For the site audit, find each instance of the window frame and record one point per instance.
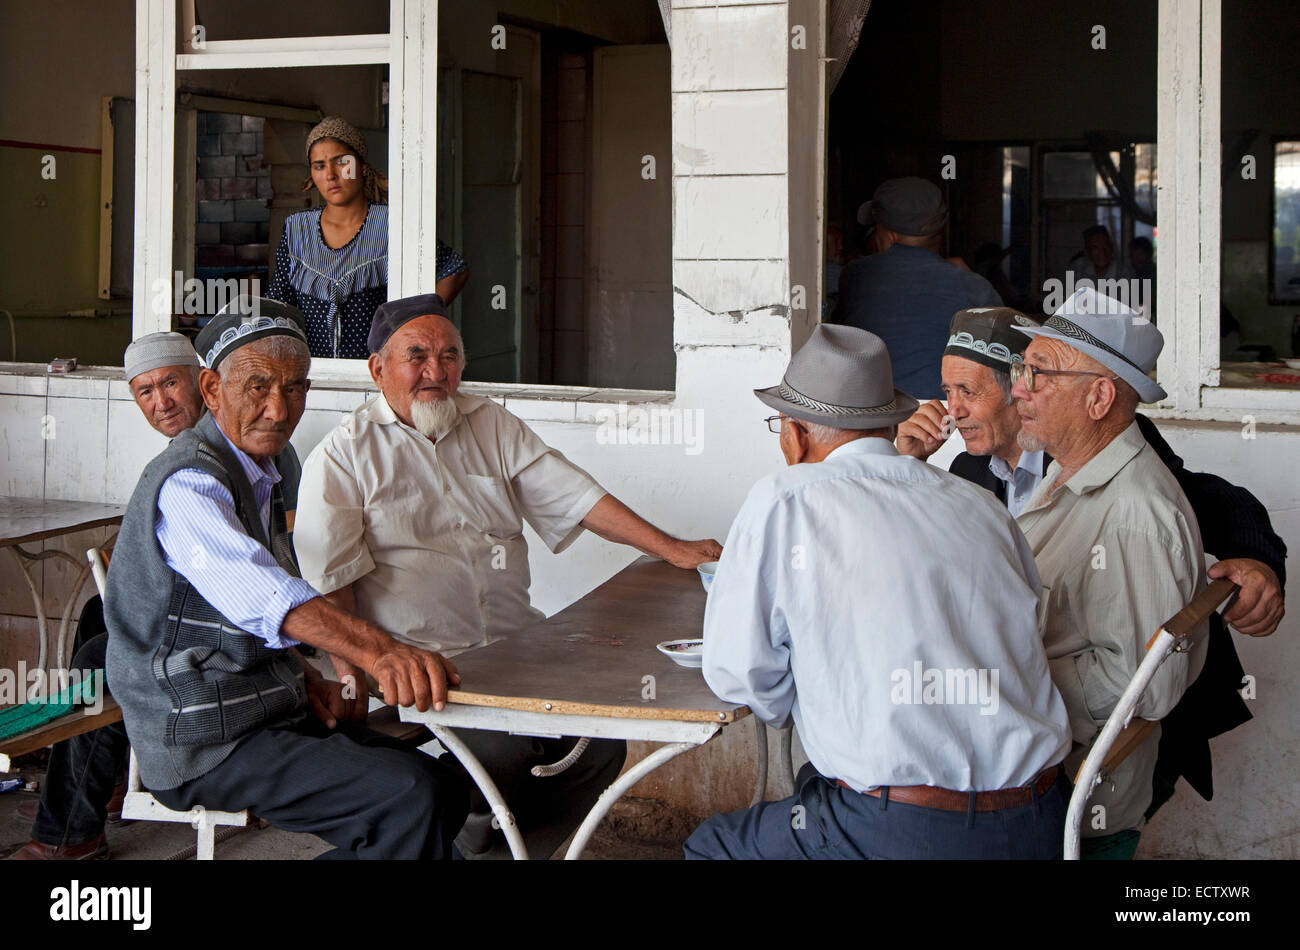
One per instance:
(1188, 280)
(409, 48)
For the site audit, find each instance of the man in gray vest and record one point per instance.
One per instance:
(85, 778)
(204, 605)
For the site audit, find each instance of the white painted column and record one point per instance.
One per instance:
(412, 147)
(731, 268)
(1187, 140)
(155, 134)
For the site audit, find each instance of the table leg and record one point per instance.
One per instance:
(22, 559)
(488, 787)
(58, 649)
(616, 791)
(760, 780)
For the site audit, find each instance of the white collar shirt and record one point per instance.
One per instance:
(890, 609)
(1119, 551)
(430, 535)
(1023, 482)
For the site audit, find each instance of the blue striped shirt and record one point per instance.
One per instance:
(203, 540)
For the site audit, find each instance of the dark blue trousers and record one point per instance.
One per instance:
(823, 820)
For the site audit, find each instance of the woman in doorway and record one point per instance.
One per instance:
(332, 261)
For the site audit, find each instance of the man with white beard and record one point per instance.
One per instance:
(410, 513)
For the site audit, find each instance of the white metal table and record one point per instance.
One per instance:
(591, 670)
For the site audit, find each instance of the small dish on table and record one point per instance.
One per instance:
(687, 653)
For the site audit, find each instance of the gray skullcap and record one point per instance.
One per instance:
(911, 206)
(157, 349)
(390, 316)
(987, 335)
(245, 320)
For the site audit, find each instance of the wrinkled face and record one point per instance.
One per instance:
(335, 171)
(169, 398)
(976, 402)
(1058, 403)
(1099, 250)
(422, 361)
(257, 400)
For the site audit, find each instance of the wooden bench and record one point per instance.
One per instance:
(65, 727)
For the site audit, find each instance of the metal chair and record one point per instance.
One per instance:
(1121, 735)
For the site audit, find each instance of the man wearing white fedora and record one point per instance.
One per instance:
(889, 609)
(1116, 542)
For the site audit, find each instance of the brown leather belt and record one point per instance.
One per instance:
(928, 796)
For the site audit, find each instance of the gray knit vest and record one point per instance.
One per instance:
(191, 684)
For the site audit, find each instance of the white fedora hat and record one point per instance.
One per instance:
(1112, 333)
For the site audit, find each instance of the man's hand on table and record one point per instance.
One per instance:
(409, 676)
(1259, 606)
(922, 433)
(615, 521)
(691, 554)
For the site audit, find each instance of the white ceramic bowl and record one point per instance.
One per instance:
(1294, 364)
(707, 570)
(688, 653)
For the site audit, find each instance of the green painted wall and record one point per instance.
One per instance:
(50, 249)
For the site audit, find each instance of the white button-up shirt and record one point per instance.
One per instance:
(891, 609)
(430, 535)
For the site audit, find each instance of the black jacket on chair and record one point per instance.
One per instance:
(1233, 524)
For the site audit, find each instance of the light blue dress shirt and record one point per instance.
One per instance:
(1022, 482)
(203, 540)
(890, 608)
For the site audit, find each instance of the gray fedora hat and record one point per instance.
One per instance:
(1112, 333)
(841, 377)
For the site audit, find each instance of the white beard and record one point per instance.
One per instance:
(434, 419)
(1029, 443)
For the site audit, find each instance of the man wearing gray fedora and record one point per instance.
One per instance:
(889, 609)
(1116, 542)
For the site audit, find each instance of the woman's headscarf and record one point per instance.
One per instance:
(374, 185)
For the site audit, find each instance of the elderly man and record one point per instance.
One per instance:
(79, 795)
(413, 510)
(204, 605)
(982, 347)
(1115, 540)
(919, 685)
(907, 293)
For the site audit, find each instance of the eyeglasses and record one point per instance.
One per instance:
(1028, 373)
(774, 424)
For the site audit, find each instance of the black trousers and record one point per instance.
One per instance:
(83, 770)
(367, 794)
